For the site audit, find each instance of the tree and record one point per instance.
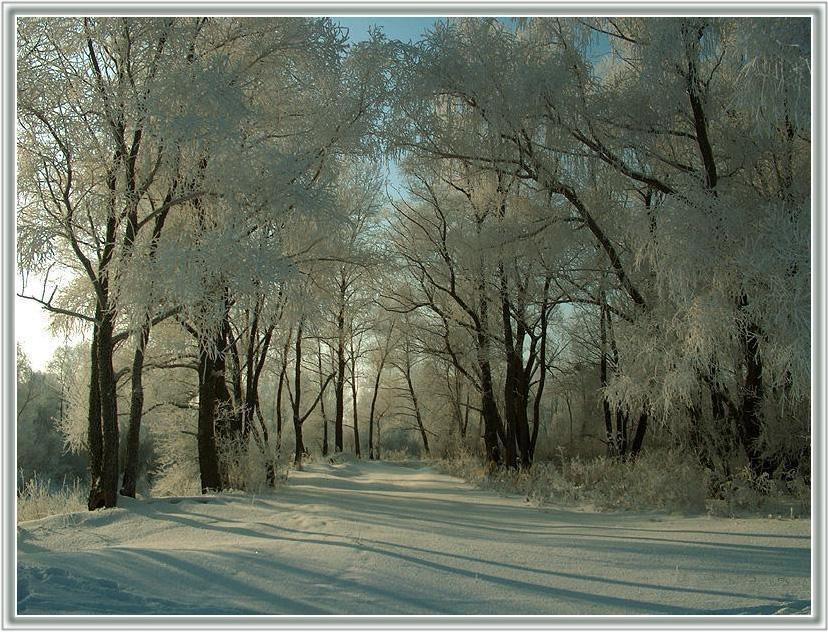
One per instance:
(131, 125)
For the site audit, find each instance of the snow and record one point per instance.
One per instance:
(382, 538)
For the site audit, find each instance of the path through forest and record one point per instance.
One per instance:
(381, 538)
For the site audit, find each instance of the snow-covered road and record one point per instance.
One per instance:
(380, 538)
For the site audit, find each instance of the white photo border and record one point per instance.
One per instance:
(816, 10)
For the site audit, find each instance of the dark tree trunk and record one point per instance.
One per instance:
(466, 415)
(371, 454)
(455, 393)
(622, 417)
(510, 386)
(416, 406)
(492, 426)
(297, 397)
(103, 405)
(279, 390)
(489, 415)
(227, 419)
(136, 406)
(638, 438)
(299, 450)
(105, 494)
(354, 400)
(270, 463)
(325, 446)
(208, 461)
(612, 447)
(377, 454)
(339, 388)
(94, 429)
(544, 320)
(236, 420)
(256, 358)
(340, 367)
(231, 404)
(622, 420)
(136, 403)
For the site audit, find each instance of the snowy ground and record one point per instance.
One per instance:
(379, 538)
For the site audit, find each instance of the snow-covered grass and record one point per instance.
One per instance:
(39, 497)
(380, 538)
(747, 493)
(661, 480)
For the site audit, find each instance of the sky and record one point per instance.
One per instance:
(31, 329)
(403, 29)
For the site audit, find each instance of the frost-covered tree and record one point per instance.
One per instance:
(695, 194)
(159, 160)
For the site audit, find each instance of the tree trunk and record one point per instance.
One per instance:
(638, 438)
(416, 406)
(297, 397)
(354, 400)
(299, 450)
(340, 380)
(373, 408)
(208, 461)
(136, 406)
(279, 391)
(489, 415)
(325, 447)
(492, 426)
(602, 374)
(227, 417)
(456, 407)
(522, 420)
(94, 430)
(377, 454)
(105, 493)
(542, 368)
(510, 387)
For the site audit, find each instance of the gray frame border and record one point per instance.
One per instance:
(819, 385)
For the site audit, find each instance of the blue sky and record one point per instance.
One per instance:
(413, 28)
(399, 28)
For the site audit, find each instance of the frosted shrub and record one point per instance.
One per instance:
(178, 479)
(465, 465)
(747, 492)
(397, 455)
(38, 498)
(661, 480)
(243, 465)
(335, 458)
(178, 473)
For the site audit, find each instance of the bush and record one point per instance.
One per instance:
(660, 480)
(747, 492)
(243, 465)
(38, 498)
(399, 455)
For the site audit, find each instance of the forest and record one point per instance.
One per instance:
(513, 244)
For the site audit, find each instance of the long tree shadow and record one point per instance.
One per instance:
(489, 520)
(326, 539)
